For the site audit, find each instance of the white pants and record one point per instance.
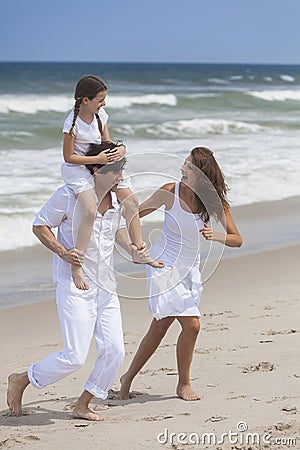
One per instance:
(84, 314)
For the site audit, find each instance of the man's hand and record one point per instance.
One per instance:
(74, 256)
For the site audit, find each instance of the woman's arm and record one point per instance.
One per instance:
(163, 196)
(231, 238)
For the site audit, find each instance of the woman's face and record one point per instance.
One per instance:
(189, 172)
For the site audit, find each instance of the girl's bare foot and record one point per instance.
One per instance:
(78, 278)
(186, 392)
(17, 383)
(83, 412)
(125, 388)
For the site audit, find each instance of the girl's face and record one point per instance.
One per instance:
(96, 103)
(189, 172)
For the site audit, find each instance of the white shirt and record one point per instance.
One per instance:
(85, 133)
(58, 213)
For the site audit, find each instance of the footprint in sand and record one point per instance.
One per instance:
(289, 409)
(274, 332)
(156, 418)
(264, 366)
(32, 437)
(154, 372)
(10, 442)
(282, 426)
(205, 351)
(216, 418)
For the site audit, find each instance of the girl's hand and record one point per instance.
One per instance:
(108, 156)
(207, 232)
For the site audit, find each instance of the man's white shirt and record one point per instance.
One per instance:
(62, 211)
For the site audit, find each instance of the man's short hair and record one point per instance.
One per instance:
(95, 149)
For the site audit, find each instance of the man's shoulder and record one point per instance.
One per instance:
(62, 197)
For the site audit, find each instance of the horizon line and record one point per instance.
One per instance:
(147, 62)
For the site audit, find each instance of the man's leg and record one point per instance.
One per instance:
(110, 346)
(77, 313)
(147, 347)
(17, 383)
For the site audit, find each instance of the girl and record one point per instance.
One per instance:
(175, 292)
(87, 123)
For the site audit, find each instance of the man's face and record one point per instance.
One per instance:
(109, 180)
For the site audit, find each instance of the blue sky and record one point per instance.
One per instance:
(225, 31)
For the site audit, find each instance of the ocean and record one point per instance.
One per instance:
(247, 114)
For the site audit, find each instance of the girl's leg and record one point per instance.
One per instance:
(87, 211)
(131, 212)
(147, 347)
(185, 348)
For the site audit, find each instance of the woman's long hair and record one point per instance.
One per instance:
(211, 195)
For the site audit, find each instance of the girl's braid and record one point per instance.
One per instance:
(76, 112)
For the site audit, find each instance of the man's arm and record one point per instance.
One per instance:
(47, 238)
(51, 215)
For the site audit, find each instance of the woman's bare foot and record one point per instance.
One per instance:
(83, 412)
(78, 278)
(186, 392)
(125, 388)
(17, 383)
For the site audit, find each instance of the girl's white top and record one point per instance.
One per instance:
(85, 133)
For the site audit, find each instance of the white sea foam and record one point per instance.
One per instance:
(236, 77)
(287, 78)
(32, 104)
(276, 95)
(192, 128)
(15, 232)
(217, 81)
(127, 101)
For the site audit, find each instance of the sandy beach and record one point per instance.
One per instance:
(246, 362)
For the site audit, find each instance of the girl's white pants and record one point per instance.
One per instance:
(84, 315)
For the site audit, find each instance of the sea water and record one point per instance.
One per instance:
(247, 114)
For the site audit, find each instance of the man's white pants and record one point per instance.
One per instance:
(84, 314)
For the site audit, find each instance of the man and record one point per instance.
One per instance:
(82, 314)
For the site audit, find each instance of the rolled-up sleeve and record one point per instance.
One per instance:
(55, 210)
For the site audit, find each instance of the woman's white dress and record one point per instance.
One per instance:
(176, 289)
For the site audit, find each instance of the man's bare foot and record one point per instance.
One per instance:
(78, 278)
(83, 412)
(17, 383)
(125, 388)
(186, 392)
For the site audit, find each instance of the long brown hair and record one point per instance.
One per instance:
(212, 190)
(88, 86)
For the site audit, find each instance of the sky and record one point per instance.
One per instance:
(204, 31)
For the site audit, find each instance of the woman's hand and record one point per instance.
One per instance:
(208, 233)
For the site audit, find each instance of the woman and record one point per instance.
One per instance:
(175, 291)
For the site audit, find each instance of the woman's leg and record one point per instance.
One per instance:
(87, 211)
(147, 347)
(185, 348)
